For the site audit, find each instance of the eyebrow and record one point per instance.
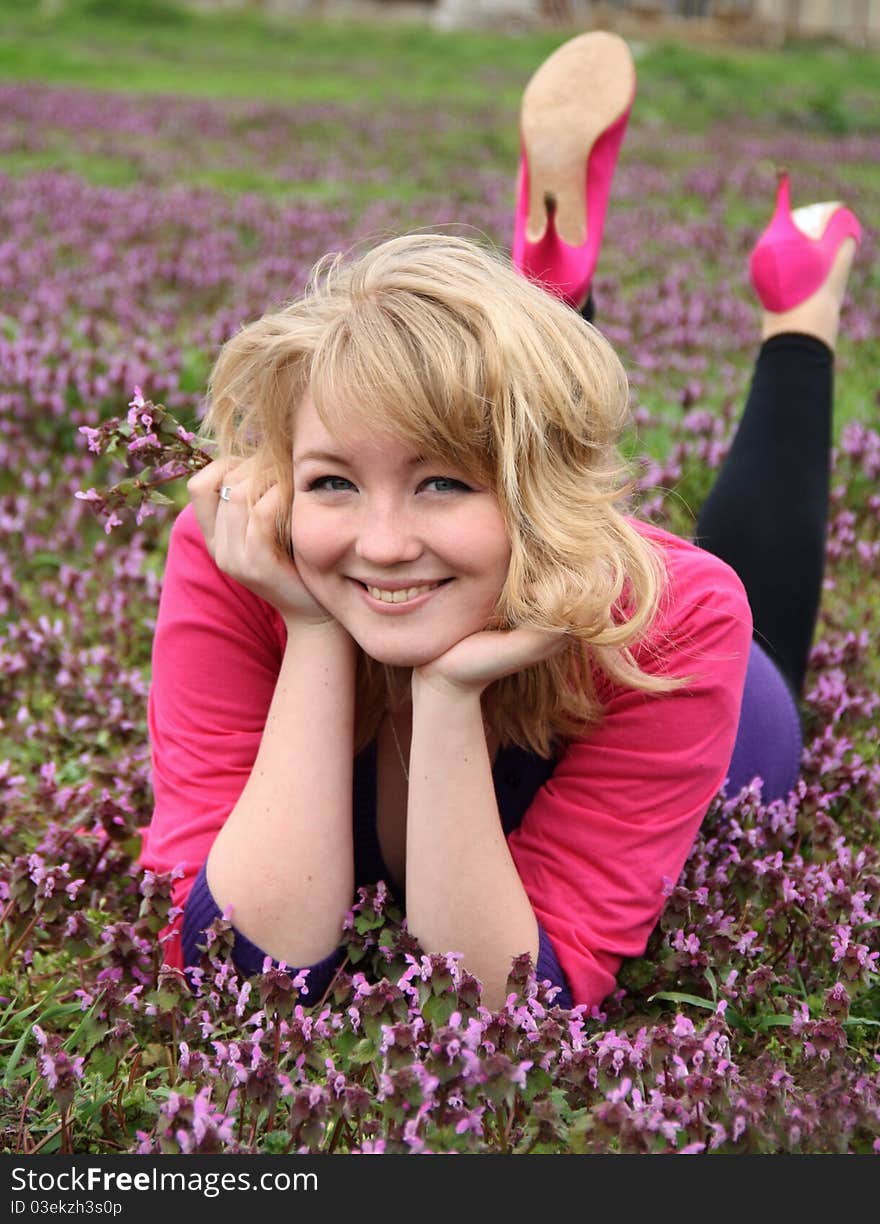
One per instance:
(329, 457)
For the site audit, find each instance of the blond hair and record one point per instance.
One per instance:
(441, 343)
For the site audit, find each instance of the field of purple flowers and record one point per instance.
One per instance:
(136, 233)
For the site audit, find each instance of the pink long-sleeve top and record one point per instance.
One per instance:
(596, 834)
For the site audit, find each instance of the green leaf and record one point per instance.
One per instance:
(275, 1143)
(102, 1062)
(774, 1022)
(673, 996)
(132, 845)
(537, 1081)
(365, 922)
(59, 1011)
(90, 1029)
(27, 1011)
(14, 1058)
(364, 1052)
(438, 1008)
(52, 1146)
(345, 1042)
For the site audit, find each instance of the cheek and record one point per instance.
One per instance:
(499, 565)
(494, 550)
(492, 563)
(310, 537)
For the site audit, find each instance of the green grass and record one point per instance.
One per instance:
(101, 171)
(248, 55)
(159, 47)
(811, 87)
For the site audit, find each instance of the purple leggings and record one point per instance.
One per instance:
(768, 740)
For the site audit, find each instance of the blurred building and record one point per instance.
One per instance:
(856, 22)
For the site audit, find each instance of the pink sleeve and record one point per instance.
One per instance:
(217, 652)
(622, 809)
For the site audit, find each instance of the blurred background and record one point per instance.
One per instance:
(853, 21)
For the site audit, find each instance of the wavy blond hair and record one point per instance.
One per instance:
(442, 343)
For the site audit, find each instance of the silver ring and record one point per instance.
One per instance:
(225, 491)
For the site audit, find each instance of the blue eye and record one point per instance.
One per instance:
(457, 484)
(321, 481)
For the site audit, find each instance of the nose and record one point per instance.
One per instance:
(386, 536)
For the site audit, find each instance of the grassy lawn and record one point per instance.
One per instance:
(146, 45)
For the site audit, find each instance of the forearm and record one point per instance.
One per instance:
(463, 890)
(284, 860)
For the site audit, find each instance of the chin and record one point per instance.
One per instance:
(399, 656)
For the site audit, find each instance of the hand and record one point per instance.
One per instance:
(244, 544)
(475, 662)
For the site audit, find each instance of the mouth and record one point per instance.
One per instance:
(411, 596)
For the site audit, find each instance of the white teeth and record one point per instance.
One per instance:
(400, 596)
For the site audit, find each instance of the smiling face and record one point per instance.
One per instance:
(377, 515)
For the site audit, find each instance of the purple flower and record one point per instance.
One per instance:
(93, 437)
(56, 1067)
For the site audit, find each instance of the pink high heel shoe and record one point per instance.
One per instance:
(572, 122)
(795, 253)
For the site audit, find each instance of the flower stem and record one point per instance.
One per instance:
(11, 951)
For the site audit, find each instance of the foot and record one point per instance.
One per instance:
(800, 266)
(573, 117)
(819, 315)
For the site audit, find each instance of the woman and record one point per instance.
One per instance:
(409, 631)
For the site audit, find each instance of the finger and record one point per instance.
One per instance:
(269, 513)
(240, 471)
(524, 647)
(226, 471)
(231, 522)
(206, 477)
(205, 488)
(202, 489)
(542, 644)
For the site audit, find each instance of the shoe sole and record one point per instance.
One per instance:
(584, 87)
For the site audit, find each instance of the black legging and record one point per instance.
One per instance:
(767, 512)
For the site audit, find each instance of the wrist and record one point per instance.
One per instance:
(318, 631)
(428, 690)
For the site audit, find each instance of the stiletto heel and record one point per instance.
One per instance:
(573, 119)
(794, 255)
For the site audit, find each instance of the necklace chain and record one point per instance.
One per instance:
(399, 749)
